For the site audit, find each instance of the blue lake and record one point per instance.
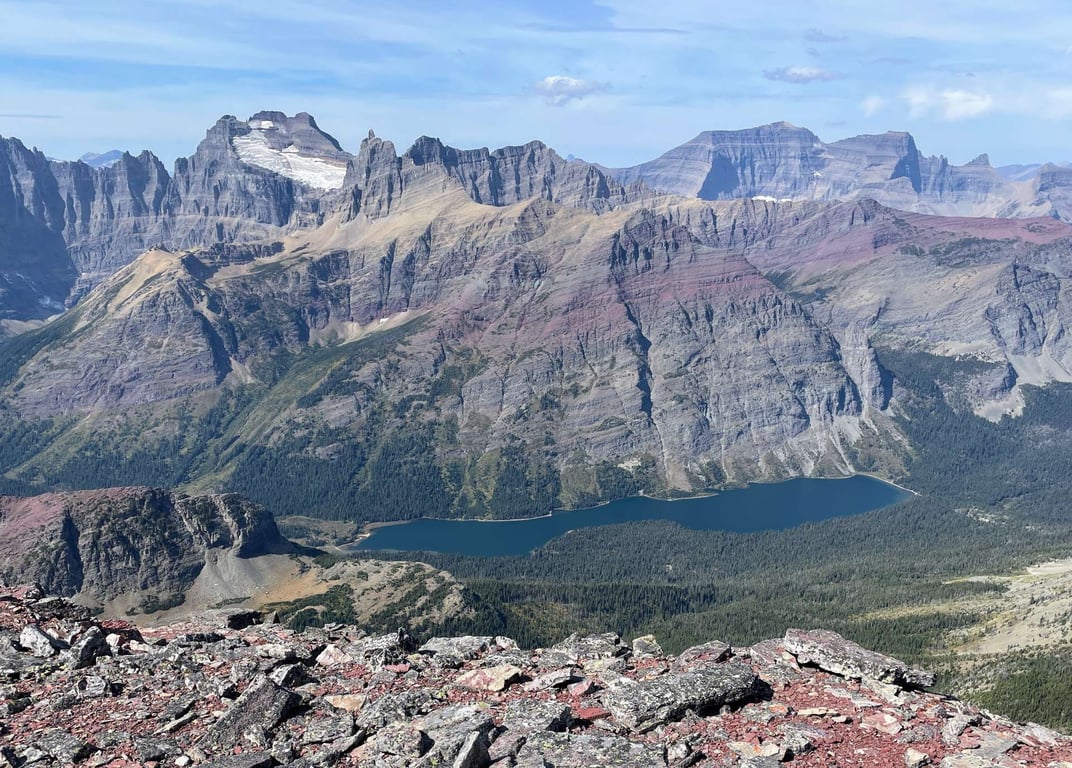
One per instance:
(760, 507)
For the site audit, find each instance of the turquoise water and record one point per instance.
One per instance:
(764, 507)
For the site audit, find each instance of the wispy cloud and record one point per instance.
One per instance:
(872, 105)
(800, 75)
(948, 104)
(559, 90)
(132, 74)
(815, 35)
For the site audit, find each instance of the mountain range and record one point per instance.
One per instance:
(508, 330)
(785, 163)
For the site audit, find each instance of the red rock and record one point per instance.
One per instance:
(591, 713)
(582, 688)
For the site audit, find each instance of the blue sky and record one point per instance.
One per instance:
(612, 81)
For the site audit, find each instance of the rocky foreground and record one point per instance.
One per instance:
(239, 693)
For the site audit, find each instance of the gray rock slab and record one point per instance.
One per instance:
(663, 699)
(564, 750)
(833, 653)
(263, 705)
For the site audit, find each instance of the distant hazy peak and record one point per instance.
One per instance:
(102, 160)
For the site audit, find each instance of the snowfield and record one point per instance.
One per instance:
(253, 149)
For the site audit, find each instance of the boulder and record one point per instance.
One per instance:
(652, 703)
(63, 746)
(37, 642)
(492, 679)
(466, 648)
(700, 655)
(564, 750)
(264, 704)
(831, 652)
(529, 715)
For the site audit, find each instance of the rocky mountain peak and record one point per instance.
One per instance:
(782, 162)
(779, 130)
(103, 159)
(379, 177)
(374, 178)
(293, 147)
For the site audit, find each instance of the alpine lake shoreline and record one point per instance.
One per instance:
(751, 508)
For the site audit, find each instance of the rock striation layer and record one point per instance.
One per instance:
(528, 309)
(784, 162)
(65, 226)
(622, 335)
(101, 545)
(210, 695)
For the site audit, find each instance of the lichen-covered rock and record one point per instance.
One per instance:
(830, 651)
(63, 746)
(167, 700)
(457, 731)
(563, 750)
(655, 702)
(37, 642)
(701, 655)
(463, 648)
(491, 679)
(528, 716)
(263, 705)
(392, 707)
(582, 648)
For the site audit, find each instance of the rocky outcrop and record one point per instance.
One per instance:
(833, 653)
(621, 335)
(36, 272)
(381, 181)
(781, 161)
(105, 544)
(66, 226)
(991, 289)
(113, 213)
(263, 695)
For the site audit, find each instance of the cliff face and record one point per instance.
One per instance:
(991, 289)
(262, 695)
(783, 162)
(104, 544)
(111, 214)
(620, 337)
(36, 272)
(67, 226)
(514, 301)
(378, 178)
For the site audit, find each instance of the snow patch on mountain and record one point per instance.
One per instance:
(254, 149)
(103, 159)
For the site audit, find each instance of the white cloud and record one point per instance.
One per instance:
(961, 105)
(872, 105)
(800, 75)
(949, 104)
(559, 90)
(1057, 104)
